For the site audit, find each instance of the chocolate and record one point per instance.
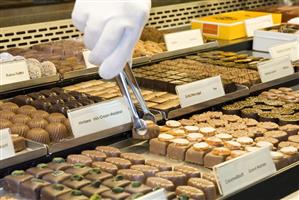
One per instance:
(58, 164)
(206, 186)
(38, 135)
(21, 118)
(116, 193)
(6, 115)
(4, 123)
(52, 192)
(76, 181)
(74, 195)
(13, 181)
(26, 110)
(39, 114)
(78, 168)
(177, 151)
(95, 187)
(105, 166)
(57, 131)
(109, 151)
(96, 174)
(134, 158)
(137, 187)
(190, 192)
(147, 170)
(19, 143)
(157, 182)
(94, 155)
(57, 176)
(37, 123)
(178, 178)
(56, 118)
(9, 106)
(117, 181)
(158, 147)
(22, 100)
(162, 166)
(78, 158)
(39, 171)
(119, 162)
(189, 171)
(41, 104)
(31, 189)
(132, 175)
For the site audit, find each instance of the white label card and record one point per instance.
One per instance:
(243, 171)
(275, 68)
(99, 117)
(183, 40)
(86, 54)
(290, 49)
(13, 72)
(7, 149)
(258, 23)
(155, 195)
(200, 91)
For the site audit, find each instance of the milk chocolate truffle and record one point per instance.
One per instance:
(36, 95)
(52, 192)
(56, 117)
(147, 170)
(132, 175)
(34, 68)
(19, 143)
(26, 110)
(48, 68)
(57, 131)
(6, 115)
(31, 189)
(4, 123)
(20, 118)
(157, 182)
(9, 106)
(38, 135)
(19, 129)
(134, 158)
(41, 104)
(190, 192)
(162, 166)
(121, 163)
(13, 181)
(78, 158)
(105, 166)
(188, 170)
(206, 186)
(37, 123)
(39, 114)
(178, 178)
(109, 151)
(94, 155)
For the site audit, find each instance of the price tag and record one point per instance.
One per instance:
(243, 171)
(156, 195)
(275, 69)
(14, 71)
(258, 23)
(7, 149)
(200, 91)
(184, 39)
(86, 54)
(99, 117)
(290, 49)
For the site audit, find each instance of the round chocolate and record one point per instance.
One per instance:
(77, 95)
(86, 101)
(56, 117)
(67, 97)
(6, 114)
(57, 108)
(4, 123)
(73, 104)
(96, 99)
(19, 129)
(39, 114)
(48, 93)
(9, 106)
(36, 95)
(57, 131)
(38, 135)
(20, 118)
(37, 123)
(57, 90)
(26, 110)
(55, 100)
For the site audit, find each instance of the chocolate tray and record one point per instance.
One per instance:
(29, 83)
(241, 91)
(34, 150)
(142, 148)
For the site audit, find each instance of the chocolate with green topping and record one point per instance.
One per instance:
(58, 160)
(59, 187)
(118, 189)
(42, 165)
(135, 184)
(18, 173)
(76, 193)
(77, 177)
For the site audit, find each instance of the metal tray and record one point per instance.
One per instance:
(74, 142)
(29, 83)
(170, 54)
(241, 91)
(34, 150)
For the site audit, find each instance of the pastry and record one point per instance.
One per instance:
(134, 158)
(19, 143)
(117, 181)
(37, 123)
(4, 123)
(74, 195)
(117, 193)
(278, 159)
(177, 149)
(9, 106)
(216, 156)
(189, 171)
(159, 145)
(19, 129)
(26, 110)
(56, 118)
(57, 176)
(196, 153)
(6, 114)
(137, 187)
(57, 131)
(31, 188)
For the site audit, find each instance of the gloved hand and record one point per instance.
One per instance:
(111, 30)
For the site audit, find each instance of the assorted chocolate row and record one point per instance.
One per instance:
(211, 138)
(36, 69)
(107, 173)
(276, 105)
(109, 90)
(36, 125)
(56, 100)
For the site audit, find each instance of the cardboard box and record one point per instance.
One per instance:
(229, 26)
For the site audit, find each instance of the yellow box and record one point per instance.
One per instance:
(229, 26)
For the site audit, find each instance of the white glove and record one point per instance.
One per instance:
(111, 30)
(294, 20)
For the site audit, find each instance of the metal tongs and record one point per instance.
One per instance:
(124, 79)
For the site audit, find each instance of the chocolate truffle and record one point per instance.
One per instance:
(56, 176)
(78, 158)
(12, 182)
(21, 118)
(39, 171)
(48, 68)
(109, 151)
(147, 170)
(119, 162)
(95, 174)
(178, 178)
(95, 187)
(41, 104)
(52, 192)
(38, 135)
(76, 181)
(132, 175)
(34, 68)
(31, 189)
(105, 166)
(57, 131)
(37, 123)
(157, 182)
(19, 129)
(58, 164)
(78, 168)
(21, 100)
(56, 117)
(94, 155)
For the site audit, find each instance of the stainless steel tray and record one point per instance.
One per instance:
(169, 54)
(70, 143)
(241, 91)
(34, 150)
(29, 83)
